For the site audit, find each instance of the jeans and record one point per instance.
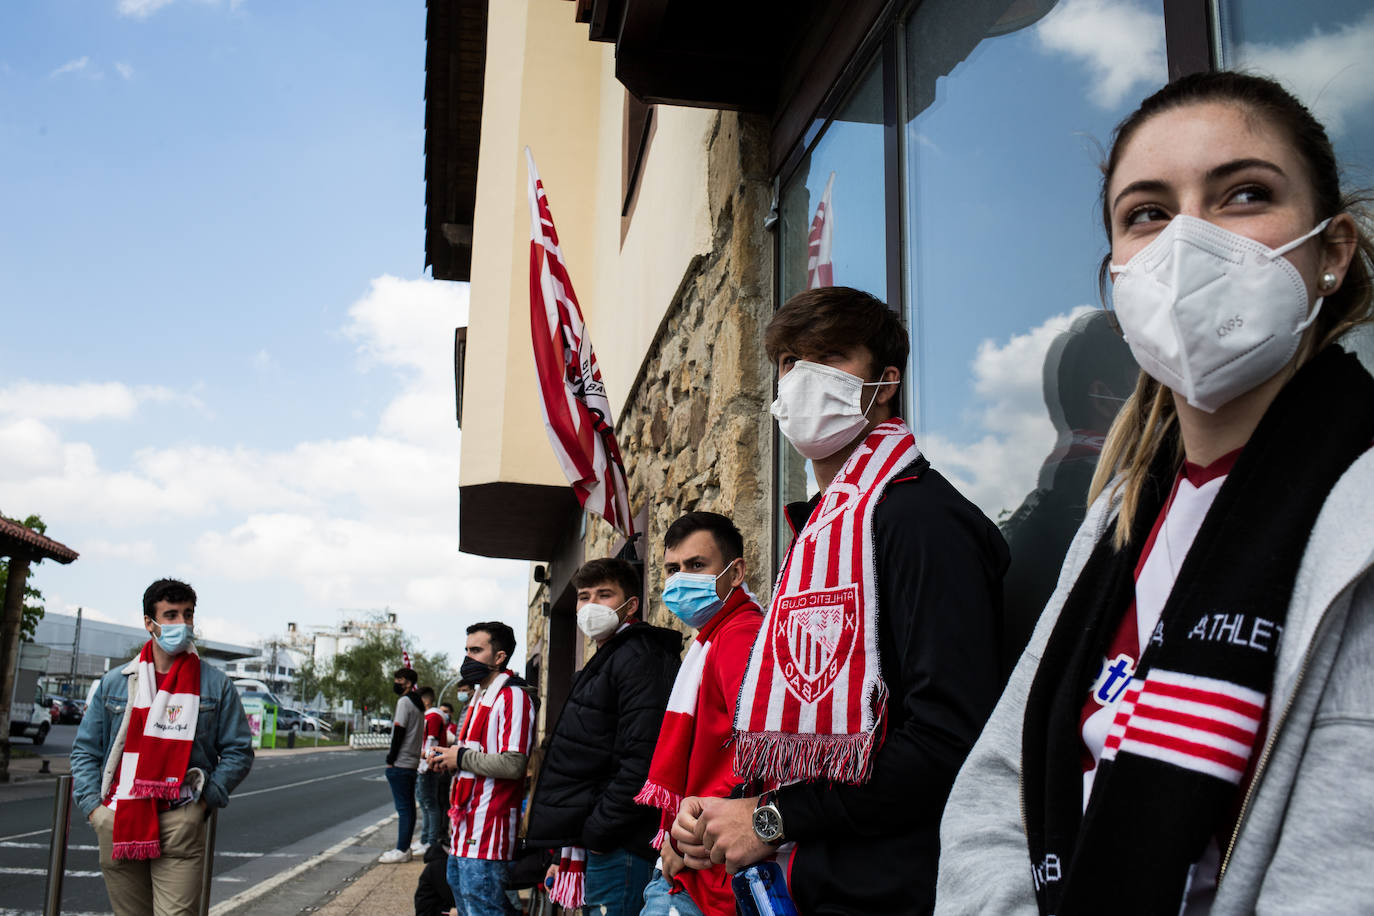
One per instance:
(658, 902)
(478, 885)
(615, 883)
(402, 784)
(427, 793)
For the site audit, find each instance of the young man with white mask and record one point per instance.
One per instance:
(703, 559)
(164, 740)
(598, 755)
(877, 662)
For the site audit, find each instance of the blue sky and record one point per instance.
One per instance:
(221, 359)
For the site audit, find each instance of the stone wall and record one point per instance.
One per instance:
(695, 432)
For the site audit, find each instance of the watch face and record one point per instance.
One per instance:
(767, 823)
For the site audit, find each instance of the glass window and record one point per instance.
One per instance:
(1323, 52)
(1007, 109)
(833, 232)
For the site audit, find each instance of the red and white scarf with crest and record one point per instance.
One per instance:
(813, 702)
(157, 751)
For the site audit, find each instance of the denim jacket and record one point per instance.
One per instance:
(223, 747)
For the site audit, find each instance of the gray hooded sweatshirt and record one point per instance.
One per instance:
(1305, 840)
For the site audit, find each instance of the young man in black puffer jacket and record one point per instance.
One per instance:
(598, 756)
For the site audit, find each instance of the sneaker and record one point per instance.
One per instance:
(394, 856)
(417, 848)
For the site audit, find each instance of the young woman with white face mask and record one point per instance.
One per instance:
(1190, 727)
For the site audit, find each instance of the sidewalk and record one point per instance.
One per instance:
(28, 769)
(378, 889)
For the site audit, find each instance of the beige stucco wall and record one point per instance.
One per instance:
(549, 87)
(542, 89)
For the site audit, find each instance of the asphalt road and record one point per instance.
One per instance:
(289, 810)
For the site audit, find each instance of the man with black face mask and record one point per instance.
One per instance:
(403, 761)
(489, 760)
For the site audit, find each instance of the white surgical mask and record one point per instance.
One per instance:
(597, 621)
(1211, 314)
(819, 408)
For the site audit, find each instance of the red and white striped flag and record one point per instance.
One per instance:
(576, 411)
(405, 659)
(820, 270)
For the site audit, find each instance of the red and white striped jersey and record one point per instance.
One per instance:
(485, 809)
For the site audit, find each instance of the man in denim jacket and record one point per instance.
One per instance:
(221, 755)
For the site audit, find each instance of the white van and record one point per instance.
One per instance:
(29, 713)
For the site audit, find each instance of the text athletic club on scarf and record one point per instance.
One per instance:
(571, 392)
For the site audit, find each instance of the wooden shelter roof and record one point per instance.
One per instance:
(16, 540)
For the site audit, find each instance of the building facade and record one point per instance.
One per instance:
(686, 148)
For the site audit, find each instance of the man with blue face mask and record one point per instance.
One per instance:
(703, 559)
(164, 740)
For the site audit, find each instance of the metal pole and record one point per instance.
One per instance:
(207, 870)
(57, 846)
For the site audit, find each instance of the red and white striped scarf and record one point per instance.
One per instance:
(157, 750)
(667, 782)
(571, 882)
(813, 702)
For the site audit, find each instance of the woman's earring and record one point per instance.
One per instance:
(1328, 281)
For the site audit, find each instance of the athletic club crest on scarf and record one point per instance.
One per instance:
(813, 701)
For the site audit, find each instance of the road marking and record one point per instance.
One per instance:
(253, 893)
(218, 852)
(44, 871)
(292, 785)
(20, 836)
(9, 912)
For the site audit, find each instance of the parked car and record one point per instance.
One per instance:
(288, 719)
(70, 712)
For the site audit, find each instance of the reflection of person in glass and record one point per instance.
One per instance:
(1190, 728)
(1088, 374)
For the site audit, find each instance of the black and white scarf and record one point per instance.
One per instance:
(1185, 731)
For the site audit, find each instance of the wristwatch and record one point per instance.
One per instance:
(768, 820)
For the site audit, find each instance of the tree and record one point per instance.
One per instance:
(33, 598)
(362, 673)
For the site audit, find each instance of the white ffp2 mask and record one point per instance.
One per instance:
(597, 621)
(1211, 314)
(820, 409)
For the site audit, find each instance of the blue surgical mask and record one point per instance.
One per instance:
(692, 596)
(174, 638)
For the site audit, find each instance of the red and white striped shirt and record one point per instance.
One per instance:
(484, 822)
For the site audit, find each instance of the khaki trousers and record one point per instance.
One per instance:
(166, 886)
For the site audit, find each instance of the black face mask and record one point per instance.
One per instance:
(473, 672)
(399, 688)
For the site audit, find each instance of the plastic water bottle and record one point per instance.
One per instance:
(761, 890)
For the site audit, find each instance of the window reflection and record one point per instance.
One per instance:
(1321, 52)
(833, 233)
(1018, 373)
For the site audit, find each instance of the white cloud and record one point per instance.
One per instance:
(86, 400)
(999, 467)
(141, 552)
(1120, 42)
(78, 65)
(368, 520)
(141, 9)
(1331, 72)
(125, 70)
